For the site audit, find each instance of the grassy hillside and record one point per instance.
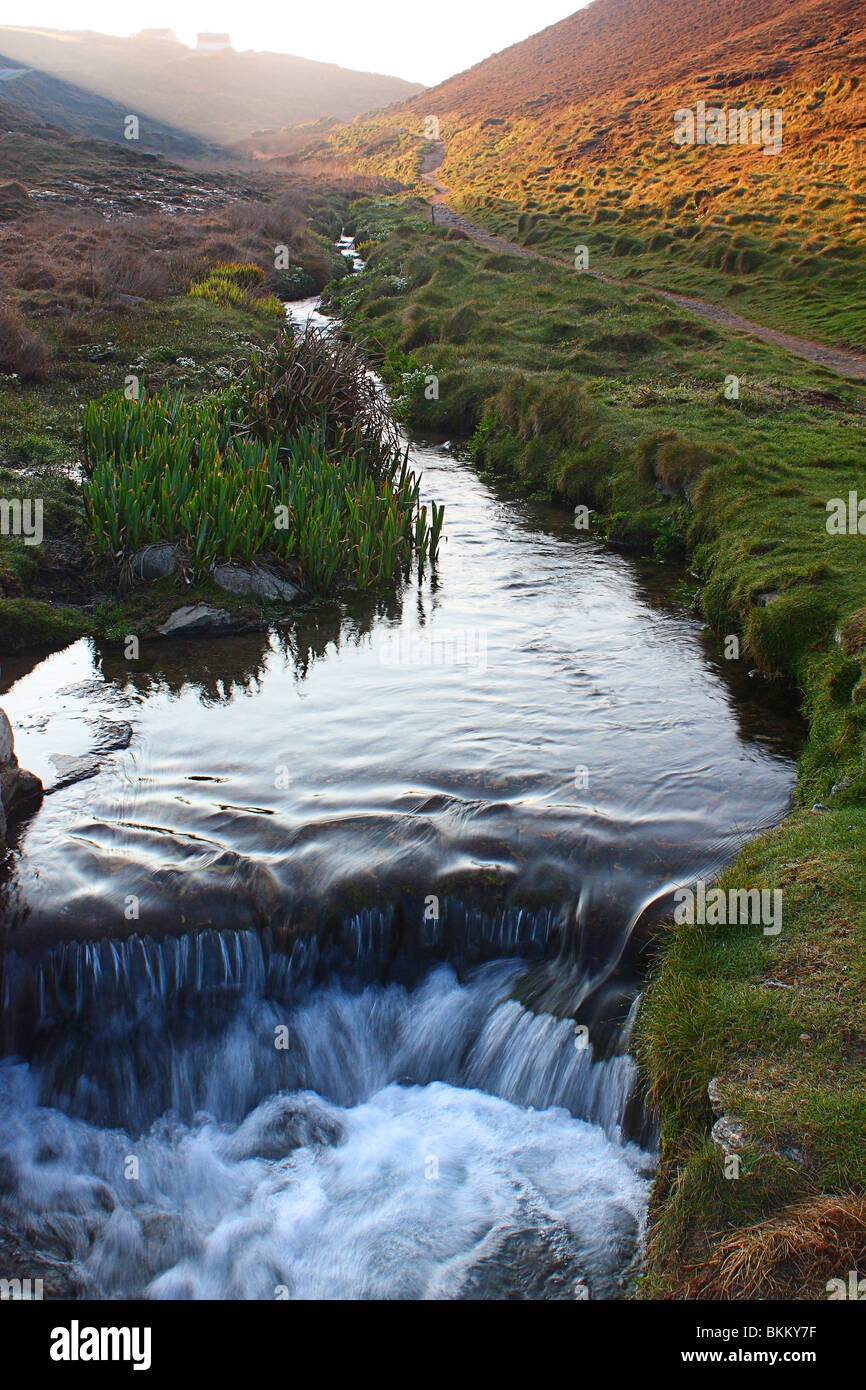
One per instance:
(567, 139)
(50, 102)
(610, 399)
(223, 96)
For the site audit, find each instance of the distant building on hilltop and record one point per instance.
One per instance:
(157, 35)
(212, 43)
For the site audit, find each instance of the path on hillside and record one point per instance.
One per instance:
(847, 364)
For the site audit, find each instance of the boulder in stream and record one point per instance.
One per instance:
(20, 791)
(197, 620)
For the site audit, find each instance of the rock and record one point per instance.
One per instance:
(7, 743)
(819, 806)
(20, 791)
(157, 561)
(196, 620)
(715, 1096)
(282, 1125)
(255, 582)
(112, 735)
(729, 1134)
(768, 597)
(775, 984)
(840, 786)
(792, 1153)
(14, 199)
(72, 769)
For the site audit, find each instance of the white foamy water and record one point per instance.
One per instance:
(436, 1190)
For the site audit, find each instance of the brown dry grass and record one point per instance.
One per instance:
(22, 351)
(791, 1255)
(65, 262)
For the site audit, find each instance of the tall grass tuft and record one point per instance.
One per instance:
(240, 286)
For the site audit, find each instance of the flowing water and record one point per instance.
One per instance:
(321, 957)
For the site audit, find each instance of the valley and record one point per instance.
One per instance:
(433, 642)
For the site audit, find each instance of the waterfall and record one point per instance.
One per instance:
(193, 1110)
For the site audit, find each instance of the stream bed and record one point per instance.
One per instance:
(321, 956)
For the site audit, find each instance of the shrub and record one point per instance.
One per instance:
(308, 378)
(121, 270)
(240, 273)
(22, 351)
(292, 283)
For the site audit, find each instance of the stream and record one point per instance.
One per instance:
(320, 959)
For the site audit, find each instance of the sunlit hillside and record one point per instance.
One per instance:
(569, 138)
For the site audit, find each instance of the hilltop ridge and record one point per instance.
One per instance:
(221, 96)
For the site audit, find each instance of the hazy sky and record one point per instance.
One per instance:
(421, 40)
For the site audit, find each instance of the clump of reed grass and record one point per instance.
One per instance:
(253, 473)
(795, 1253)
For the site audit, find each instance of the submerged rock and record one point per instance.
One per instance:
(532, 1263)
(281, 1125)
(20, 791)
(71, 769)
(112, 735)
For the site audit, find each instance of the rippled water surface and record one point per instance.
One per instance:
(539, 709)
(341, 827)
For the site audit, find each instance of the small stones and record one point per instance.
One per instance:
(775, 984)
